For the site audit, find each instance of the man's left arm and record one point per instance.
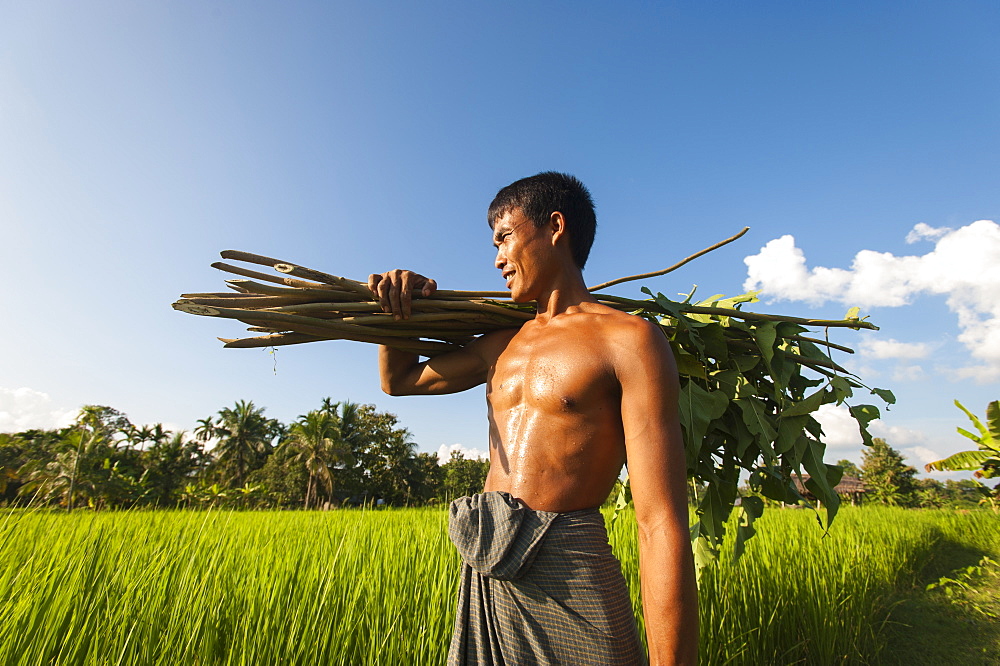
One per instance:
(658, 478)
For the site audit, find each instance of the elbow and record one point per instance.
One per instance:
(395, 387)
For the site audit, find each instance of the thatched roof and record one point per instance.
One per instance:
(848, 485)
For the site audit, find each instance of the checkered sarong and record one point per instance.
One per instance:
(538, 588)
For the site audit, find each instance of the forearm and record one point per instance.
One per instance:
(669, 596)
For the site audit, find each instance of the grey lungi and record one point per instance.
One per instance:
(538, 588)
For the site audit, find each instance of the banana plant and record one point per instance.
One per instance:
(986, 459)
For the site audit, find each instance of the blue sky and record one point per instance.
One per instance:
(139, 140)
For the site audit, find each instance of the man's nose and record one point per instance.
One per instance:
(501, 260)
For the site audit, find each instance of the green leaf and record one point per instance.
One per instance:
(719, 302)
(772, 485)
(975, 421)
(727, 381)
(687, 364)
(841, 388)
(624, 497)
(808, 405)
(758, 422)
(993, 420)
(765, 334)
(963, 460)
(789, 430)
(886, 395)
(966, 433)
(750, 509)
(698, 408)
(865, 414)
(822, 479)
(704, 554)
(853, 313)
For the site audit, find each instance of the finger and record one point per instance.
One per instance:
(384, 286)
(373, 281)
(406, 285)
(394, 297)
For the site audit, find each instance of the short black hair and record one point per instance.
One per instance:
(543, 194)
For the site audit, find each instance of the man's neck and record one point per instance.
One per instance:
(568, 290)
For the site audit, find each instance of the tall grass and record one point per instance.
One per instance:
(378, 587)
(799, 597)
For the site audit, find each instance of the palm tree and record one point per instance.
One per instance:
(60, 478)
(316, 441)
(351, 418)
(205, 429)
(137, 437)
(245, 436)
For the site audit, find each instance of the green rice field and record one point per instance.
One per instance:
(378, 587)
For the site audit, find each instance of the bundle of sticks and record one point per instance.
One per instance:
(300, 305)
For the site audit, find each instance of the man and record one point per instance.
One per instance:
(571, 396)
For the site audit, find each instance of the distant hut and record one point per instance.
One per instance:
(850, 488)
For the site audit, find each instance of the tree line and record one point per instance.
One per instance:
(342, 453)
(889, 480)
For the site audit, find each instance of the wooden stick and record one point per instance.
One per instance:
(651, 305)
(275, 340)
(250, 258)
(331, 307)
(801, 360)
(266, 289)
(450, 293)
(246, 272)
(680, 263)
(250, 302)
(825, 343)
(387, 319)
(216, 294)
(472, 305)
(325, 278)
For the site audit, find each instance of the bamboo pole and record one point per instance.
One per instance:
(268, 290)
(256, 275)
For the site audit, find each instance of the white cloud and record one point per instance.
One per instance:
(918, 456)
(925, 232)
(876, 348)
(840, 430)
(908, 373)
(964, 266)
(896, 436)
(24, 409)
(444, 453)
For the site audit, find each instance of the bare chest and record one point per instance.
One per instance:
(555, 374)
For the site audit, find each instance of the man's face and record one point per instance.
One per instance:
(520, 254)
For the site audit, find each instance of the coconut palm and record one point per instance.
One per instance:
(205, 430)
(316, 441)
(245, 437)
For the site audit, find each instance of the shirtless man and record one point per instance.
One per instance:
(571, 396)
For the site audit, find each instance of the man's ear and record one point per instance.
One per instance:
(557, 226)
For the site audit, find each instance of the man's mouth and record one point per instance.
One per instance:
(508, 277)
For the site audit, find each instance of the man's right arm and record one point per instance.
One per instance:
(401, 372)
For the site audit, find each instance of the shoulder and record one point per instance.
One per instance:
(631, 331)
(637, 347)
(490, 345)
